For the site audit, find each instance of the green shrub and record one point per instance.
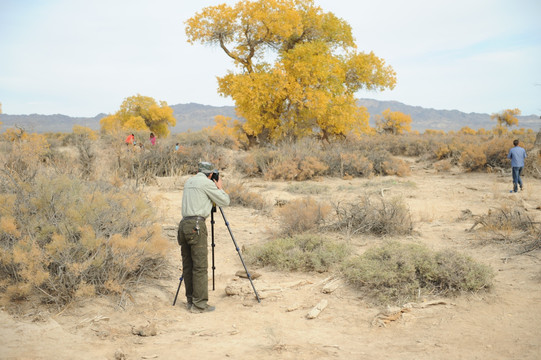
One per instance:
(298, 253)
(397, 273)
(307, 189)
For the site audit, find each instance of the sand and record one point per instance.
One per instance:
(504, 323)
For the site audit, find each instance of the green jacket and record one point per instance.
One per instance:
(199, 194)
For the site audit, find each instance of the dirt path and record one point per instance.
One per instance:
(502, 324)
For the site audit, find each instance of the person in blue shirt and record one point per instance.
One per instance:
(517, 155)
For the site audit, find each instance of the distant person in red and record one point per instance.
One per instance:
(130, 139)
(152, 139)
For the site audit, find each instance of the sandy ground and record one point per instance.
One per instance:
(502, 324)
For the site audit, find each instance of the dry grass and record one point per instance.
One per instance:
(302, 215)
(509, 225)
(368, 216)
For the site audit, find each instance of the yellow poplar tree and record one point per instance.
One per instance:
(140, 113)
(467, 131)
(297, 67)
(505, 119)
(393, 122)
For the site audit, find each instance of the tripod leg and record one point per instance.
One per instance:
(238, 252)
(176, 295)
(212, 243)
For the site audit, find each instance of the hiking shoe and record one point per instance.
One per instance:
(189, 306)
(198, 310)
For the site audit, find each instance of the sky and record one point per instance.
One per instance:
(82, 58)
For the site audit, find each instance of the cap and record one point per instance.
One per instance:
(206, 167)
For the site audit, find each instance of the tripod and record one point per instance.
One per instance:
(213, 245)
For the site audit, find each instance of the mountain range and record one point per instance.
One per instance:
(194, 117)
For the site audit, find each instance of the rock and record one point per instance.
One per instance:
(119, 354)
(146, 330)
(242, 274)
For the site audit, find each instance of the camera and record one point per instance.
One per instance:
(215, 176)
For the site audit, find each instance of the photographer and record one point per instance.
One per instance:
(200, 192)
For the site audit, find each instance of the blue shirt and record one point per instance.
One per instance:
(517, 156)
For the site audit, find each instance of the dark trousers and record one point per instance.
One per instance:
(193, 247)
(517, 171)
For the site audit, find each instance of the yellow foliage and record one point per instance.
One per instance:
(467, 131)
(113, 286)
(140, 113)
(227, 129)
(83, 130)
(310, 85)
(434, 132)
(393, 122)
(28, 256)
(8, 225)
(472, 158)
(85, 290)
(119, 243)
(58, 244)
(506, 117)
(482, 131)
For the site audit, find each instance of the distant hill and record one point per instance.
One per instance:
(447, 120)
(195, 117)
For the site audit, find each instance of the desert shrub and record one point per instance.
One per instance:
(62, 237)
(300, 160)
(282, 169)
(189, 138)
(26, 154)
(355, 165)
(301, 215)
(396, 273)
(310, 167)
(307, 189)
(383, 217)
(396, 166)
(443, 165)
(508, 224)
(239, 195)
(87, 155)
(378, 159)
(473, 158)
(299, 253)
(246, 164)
(532, 164)
(161, 160)
(496, 151)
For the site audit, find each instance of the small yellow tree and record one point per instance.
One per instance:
(227, 130)
(140, 113)
(505, 119)
(393, 122)
(467, 131)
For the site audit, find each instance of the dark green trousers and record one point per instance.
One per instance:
(193, 247)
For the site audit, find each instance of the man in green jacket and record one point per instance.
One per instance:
(200, 193)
